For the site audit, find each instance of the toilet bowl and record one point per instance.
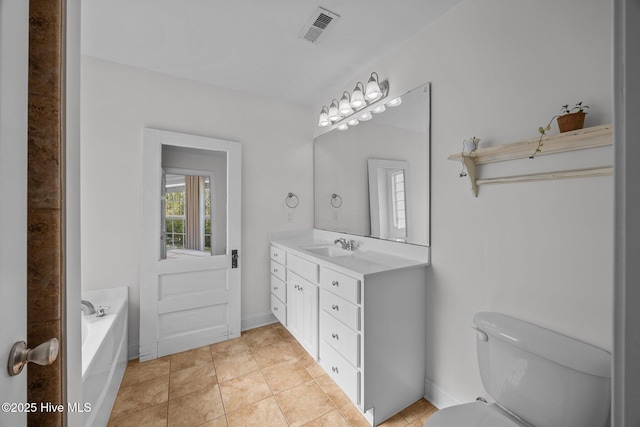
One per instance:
(537, 377)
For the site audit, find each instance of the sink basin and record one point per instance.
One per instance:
(327, 251)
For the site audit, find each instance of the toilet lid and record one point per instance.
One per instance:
(477, 414)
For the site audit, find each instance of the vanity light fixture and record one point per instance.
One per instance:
(362, 98)
(324, 117)
(334, 115)
(344, 107)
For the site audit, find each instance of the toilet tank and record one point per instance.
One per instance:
(545, 378)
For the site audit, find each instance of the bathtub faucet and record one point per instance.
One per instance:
(101, 311)
(87, 308)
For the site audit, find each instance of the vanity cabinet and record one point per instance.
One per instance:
(366, 329)
(294, 297)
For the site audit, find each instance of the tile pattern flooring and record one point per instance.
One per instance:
(263, 378)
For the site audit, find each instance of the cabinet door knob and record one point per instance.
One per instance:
(334, 336)
(335, 283)
(335, 307)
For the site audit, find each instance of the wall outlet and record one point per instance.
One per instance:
(335, 216)
(289, 216)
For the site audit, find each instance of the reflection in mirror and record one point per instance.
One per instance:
(194, 203)
(341, 166)
(389, 199)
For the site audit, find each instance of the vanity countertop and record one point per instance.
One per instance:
(361, 261)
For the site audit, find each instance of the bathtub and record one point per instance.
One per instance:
(104, 353)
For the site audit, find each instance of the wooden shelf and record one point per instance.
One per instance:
(598, 136)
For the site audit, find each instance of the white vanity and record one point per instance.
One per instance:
(360, 313)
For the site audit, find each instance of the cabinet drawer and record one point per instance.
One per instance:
(306, 269)
(345, 375)
(279, 310)
(279, 255)
(340, 284)
(279, 271)
(279, 288)
(343, 339)
(341, 309)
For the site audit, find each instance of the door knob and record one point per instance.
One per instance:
(44, 354)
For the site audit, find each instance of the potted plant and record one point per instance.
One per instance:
(570, 119)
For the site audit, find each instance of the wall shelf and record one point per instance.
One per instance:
(593, 137)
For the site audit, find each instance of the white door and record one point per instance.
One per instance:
(189, 298)
(14, 27)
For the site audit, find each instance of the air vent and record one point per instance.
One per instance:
(317, 25)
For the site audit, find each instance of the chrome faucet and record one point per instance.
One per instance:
(87, 308)
(349, 245)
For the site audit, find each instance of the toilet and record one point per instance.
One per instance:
(538, 378)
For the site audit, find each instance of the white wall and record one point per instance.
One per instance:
(117, 103)
(539, 251)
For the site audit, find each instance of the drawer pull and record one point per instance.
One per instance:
(334, 369)
(335, 283)
(275, 308)
(334, 307)
(275, 255)
(335, 336)
(275, 288)
(275, 270)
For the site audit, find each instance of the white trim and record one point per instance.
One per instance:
(257, 320)
(437, 396)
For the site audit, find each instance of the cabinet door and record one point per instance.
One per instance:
(309, 327)
(294, 312)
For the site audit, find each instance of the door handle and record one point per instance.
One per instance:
(44, 354)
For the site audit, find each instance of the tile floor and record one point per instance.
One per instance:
(264, 378)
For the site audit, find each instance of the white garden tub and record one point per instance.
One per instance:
(104, 353)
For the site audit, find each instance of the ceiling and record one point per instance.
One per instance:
(254, 45)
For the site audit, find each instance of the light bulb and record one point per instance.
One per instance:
(344, 108)
(394, 102)
(357, 97)
(379, 109)
(365, 116)
(353, 122)
(343, 127)
(333, 112)
(372, 91)
(323, 120)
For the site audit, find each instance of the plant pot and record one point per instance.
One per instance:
(572, 121)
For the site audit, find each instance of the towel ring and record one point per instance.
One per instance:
(289, 201)
(336, 200)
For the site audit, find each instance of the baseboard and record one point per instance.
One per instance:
(257, 320)
(134, 351)
(437, 396)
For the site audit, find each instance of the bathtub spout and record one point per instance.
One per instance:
(87, 308)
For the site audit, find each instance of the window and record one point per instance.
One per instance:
(398, 199)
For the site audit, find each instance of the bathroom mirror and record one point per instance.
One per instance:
(358, 171)
(193, 203)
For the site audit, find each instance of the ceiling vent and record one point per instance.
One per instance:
(318, 24)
